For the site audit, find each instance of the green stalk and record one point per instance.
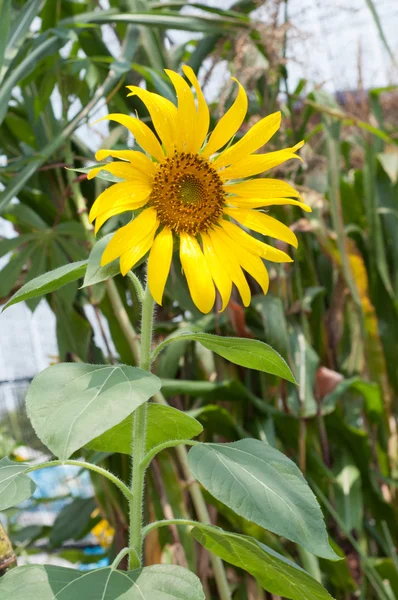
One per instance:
(139, 440)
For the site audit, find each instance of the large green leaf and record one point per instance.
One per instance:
(95, 273)
(15, 487)
(159, 582)
(69, 404)
(241, 351)
(164, 423)
(273, 571)
(264, 486)
(48, 282)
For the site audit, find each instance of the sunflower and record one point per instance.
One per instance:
(193, 193)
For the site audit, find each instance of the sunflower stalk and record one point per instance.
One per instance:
(139, 439)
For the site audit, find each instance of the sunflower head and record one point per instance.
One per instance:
(192, 190)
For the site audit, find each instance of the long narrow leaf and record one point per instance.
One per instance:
(164, 20)
(21, 25)
(47, 47)
(5, 10)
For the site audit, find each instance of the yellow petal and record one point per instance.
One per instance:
(186, 112)
(249, 262)
(259, 202)
(262, 188)
(257, 163)
(138, 160)
(203, 115)
(197, 273)
(255, 138)
(230, 263)
(112, 212)
(163, 114)
(228, 125)
(120, 169)
(120, 194)
(220, 276)
(258, 221)
(130, 235)
(159, 263)
(129, 258)
(143, 135)
(253, 245)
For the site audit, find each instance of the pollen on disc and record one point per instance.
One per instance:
(187, 193)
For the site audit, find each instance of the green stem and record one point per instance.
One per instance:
(201, 511)
(169, 444)
(167, 522)
(84, 465)
(137, 285)
(120, 556)
(194, 489)
(139, 439)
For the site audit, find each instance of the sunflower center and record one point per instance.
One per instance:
(187, 193)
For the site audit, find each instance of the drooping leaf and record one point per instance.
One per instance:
(274, 572)
(15, 487)
(164, 423)
(158, 582)
(264, 486)
(70, 404)
(48, 282)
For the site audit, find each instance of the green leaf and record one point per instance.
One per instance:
(37, 267)
(73, 522)
(9, 244)
(273, 317)
(74, 331)
(15, 487)
(10, 273)
(70, 404)
(17, 183)
(274, 572)
(20, 26)
(264, 486)
(95, 273)
(105, 175)
(48, 282)
(46, 47)
(241, 351)
(164, 423)
(347, 491)
(171, 20)
(5, 11)
(389, 162)
(158, 582)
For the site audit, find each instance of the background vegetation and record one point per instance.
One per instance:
(332, 314)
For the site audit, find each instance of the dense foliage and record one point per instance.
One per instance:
(332, 313)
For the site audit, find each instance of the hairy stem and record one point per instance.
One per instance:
(194, 489)
(139, 439)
